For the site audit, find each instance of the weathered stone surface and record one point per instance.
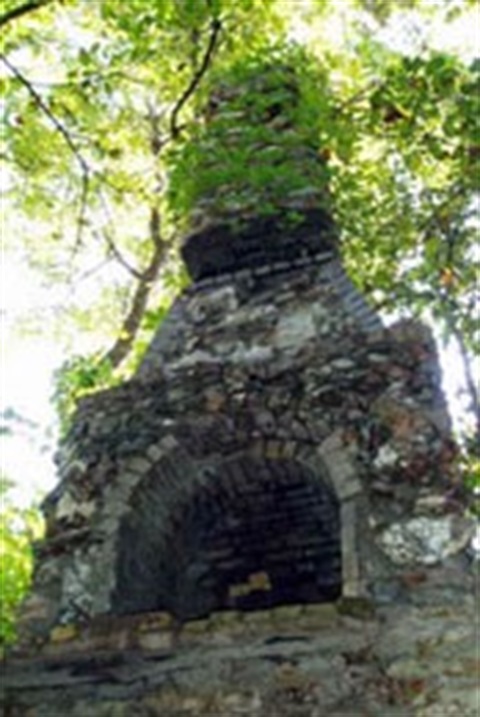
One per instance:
(218, 250)
(322, 401)
(426, 540)
(278, 480)
(289, 662)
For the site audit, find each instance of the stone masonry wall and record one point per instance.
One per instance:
(285, 365)
(416, 659)
(266, 520)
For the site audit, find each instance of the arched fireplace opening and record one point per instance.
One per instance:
(252, 534)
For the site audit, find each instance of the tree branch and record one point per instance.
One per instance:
(448, 301)
(82, 79)
(471, 384)
(131, 324)
(118, 256)
(84, 168)
(17, 12)
(215, 27)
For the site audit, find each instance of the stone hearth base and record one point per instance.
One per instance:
(418, 659)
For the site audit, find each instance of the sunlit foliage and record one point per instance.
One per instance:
(19, 527)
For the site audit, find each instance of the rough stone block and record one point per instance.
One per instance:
(426, 540)
(155, 453)
(273, 449)
(155, 621)
(139, 465)
(289, 449)
(287, 614)
(63, 633)
(258, 618)
(361, 608)
(195, 627)
(322, 614)
(227, 619)
(155, 641)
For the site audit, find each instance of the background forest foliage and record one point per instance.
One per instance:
(100, 99)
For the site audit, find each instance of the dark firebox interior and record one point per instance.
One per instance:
(253, 534)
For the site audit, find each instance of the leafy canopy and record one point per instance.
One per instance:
(19, 527)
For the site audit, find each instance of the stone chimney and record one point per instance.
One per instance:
(277, 449)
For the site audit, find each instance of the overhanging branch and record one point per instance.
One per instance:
(84, 168)
(21, 10)
(146, 279)
(118, 256)
(470, 381)
(131, 324)
(447, 298)
(215, 27)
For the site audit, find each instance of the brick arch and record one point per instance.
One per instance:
(244, 532)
